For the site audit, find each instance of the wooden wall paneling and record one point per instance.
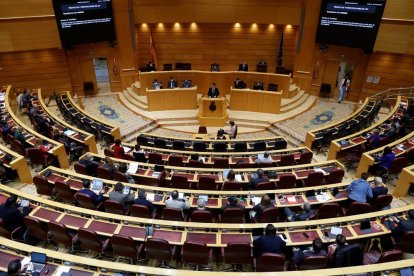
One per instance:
(17, 8)
(402, 9)
(229, 11)
(33, 69)
(396, 37)
(204, 44)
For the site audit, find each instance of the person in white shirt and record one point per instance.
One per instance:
(232, 132)
(156, 84)
(264, 158)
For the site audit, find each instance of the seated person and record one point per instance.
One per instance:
(305, 215)
(172, 83)
(150, 66)
(196, 157)
(269, 243)
(315, 250)
(232, 132)
(232, 202)
(18, 135)
(109, 165)
(378, 188)
(231, 176)
(392, 131)
(215, 67)
(258, 209)
(124, 170)
(89, 163)
(142, 200)
(7, 129)
(359, 190)
(220, 135)
(12, 213)
(258, 178)
(156, 84)
(201, 204)
(239, 84)
(213, 91)
(179, 203)
(402, 227)
(118, 195)
(384, 162)
(44, 146)
(340, 241)
(186, 83)
(7, 174)
(264, 158)
(139, 154)
(118, 149)
(244, 67)
(14, 268)
(375, 139)
(257, 85)
(97, 198)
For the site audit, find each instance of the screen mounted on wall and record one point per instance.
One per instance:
(84, 21)
(350, 23)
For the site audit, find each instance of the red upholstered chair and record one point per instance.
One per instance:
(397, 165)
(155, 158)
(269, 215)
(36, 157)
(375, 257)
(231, 186)
(406, 243)
(237, 254)
(261, 165)
(335, 176)
(357, 208)
(85, 201)
(305, 158)
(179, 182)
(202, 216)
(64, 192)
(219, 147)
(232, 215)
(265, 186)
(313, 179)
(37, 229)
(114, 207)
(195, 164)
(120, 177)
(202, 130)
(18, 147)
(81, 169)
(268, 262)
(158, 249)
(141, 211)
(60, 235)
(286, 181)
(286, 160)
(207, 183)
(161, 180)
(10, 234)
(90, 241)
(328, 210)
(196, 255)
(125, 247)
(43, 187)
(129, 157)
(104, 173)
(175, 160)
(313, 262)
(173, 214)
(221, 163)
(382, 201)
(108, 152)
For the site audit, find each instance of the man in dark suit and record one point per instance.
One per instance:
(244, 67)
(269, 243)
(402, 227)
(238, 83)
(141, 200)
(90, 165)
(305, 215)
(171, 83)
(97, 198)
(213, 91)
(11, 214)
(258, 178)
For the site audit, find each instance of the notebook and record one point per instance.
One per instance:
(38, 261)
(69, 132)
(97, 185)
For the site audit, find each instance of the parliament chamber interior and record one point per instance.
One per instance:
(206, 137)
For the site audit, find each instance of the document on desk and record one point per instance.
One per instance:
(69, 132)
(323, 197)
(62, 269)
(291, 199)
(126, 149)
(133, 167)
(238, 177)
(320, 170)
(150, 196)
(257, 200)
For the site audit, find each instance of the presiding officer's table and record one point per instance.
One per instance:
(255, 100)
(212, 111)
(172, 99)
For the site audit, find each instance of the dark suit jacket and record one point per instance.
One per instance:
(268, 244)
(96, 198)
(216, 92)
(254, 182)
(90, 166)
(144, 202)
(12, 217)
(402, 227)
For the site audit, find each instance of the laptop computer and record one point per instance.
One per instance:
(97, 185)
(24, 202)
(38, 261)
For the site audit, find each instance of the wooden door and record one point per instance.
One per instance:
(87, 71)
(330, 75)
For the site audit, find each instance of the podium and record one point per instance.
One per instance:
(212, 111)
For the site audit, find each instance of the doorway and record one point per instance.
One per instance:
(102, 74)
(334, 72)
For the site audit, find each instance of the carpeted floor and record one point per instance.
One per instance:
(322, 114)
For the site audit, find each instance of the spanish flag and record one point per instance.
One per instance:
(153, 52)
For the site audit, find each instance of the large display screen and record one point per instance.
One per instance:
(84, 21)
(350, 23)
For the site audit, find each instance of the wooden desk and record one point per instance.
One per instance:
(224, 79)
(255, 100)
(404, 182)
(172, 99)
(206, 117)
